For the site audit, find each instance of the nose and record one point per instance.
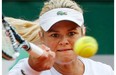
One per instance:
(64, 41)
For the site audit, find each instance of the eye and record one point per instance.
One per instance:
(71, 33)
(55, 35)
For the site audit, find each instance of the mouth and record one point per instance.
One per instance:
(62, 50)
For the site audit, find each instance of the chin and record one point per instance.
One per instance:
(66, 61)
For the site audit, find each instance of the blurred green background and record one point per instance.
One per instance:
(98, 15)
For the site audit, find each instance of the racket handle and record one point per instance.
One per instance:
(35, 50)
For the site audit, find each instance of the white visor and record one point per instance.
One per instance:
(47, 20)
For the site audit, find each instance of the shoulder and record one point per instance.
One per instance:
(23, 68)
(97, 67)
(17, 69)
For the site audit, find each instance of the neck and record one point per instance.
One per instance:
(76, 67)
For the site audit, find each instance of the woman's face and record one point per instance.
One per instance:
(60, 38)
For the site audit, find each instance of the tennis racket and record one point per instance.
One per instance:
(12, 43)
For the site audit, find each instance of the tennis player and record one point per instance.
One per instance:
(61, 23)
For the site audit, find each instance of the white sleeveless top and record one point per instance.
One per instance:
(91, 68)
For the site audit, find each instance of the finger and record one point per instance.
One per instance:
(45, 47)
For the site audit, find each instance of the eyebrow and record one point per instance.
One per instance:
(51, 30)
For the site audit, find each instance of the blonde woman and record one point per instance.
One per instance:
(61, 23)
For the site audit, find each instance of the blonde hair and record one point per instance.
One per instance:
(52, 4)
(27, 29)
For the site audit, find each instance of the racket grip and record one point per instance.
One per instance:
(35, 50)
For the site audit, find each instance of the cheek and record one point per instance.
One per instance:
(51, 45)
(75, 39)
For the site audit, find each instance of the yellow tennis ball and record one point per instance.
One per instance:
(86, 46)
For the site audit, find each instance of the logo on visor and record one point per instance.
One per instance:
(61, 13)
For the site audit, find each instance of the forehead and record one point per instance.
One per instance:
(64, 25)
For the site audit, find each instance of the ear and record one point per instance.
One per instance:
(40, 35)
(84, 30)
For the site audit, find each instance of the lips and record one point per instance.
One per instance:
(61, 50)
